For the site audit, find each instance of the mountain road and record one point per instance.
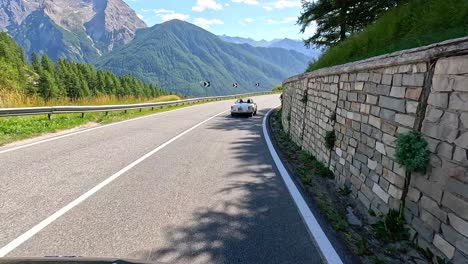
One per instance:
(193, 185)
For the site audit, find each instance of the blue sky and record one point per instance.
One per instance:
(257, 19)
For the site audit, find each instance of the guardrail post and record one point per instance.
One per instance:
(152, 108)
(107, 113)
(82, 115)
(140, 109)
(125, 111)
(49, 116)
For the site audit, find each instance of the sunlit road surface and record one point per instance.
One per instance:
(189, 189)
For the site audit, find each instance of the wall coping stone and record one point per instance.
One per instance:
(446, 48)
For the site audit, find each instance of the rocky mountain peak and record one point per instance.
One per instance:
(89, 26)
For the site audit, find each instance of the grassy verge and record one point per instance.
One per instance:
(417, 23)
(22, 127)
(333, 203)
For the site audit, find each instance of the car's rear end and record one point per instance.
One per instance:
(242, 109)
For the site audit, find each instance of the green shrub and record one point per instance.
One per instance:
(330, 139)
(418, 23)
(362, 248)
(411, 151)
(390, 228)
(279, 87)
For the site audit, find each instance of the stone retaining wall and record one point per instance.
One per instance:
(368, 104)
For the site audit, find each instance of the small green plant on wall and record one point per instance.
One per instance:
(411, 152)
(330, 139)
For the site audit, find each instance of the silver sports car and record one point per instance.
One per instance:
(244, 107)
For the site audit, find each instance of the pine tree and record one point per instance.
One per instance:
(337, 19)
(48, 86)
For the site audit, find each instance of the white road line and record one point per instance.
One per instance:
(326, 249)
(37, 228)
(90, 129)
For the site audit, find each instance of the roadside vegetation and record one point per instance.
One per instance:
(278, 88)
(22, 127)
(375, 238)
(410, 24)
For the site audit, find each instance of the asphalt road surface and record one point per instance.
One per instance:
(210, 195)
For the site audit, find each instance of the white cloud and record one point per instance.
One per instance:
(140, 16)
(226, 4)
(247, 2)
(166, 15)
(286, 20)
(207, 4)
(206, 23)
(281, 4)
(248, 20)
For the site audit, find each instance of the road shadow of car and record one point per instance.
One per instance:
(261, 227)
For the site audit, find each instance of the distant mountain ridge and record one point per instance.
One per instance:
(76, 29)
(286, 43)
(178, 56)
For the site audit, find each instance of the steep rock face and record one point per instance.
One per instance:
(87, 28)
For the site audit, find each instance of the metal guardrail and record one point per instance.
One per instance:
(49, 110)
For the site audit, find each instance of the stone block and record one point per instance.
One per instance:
(446, 133)
(366, 129)
(430, 220)
(380, 147)
(388, 128)
(362, 76)
(371, 99)
(397, 79)
(375, 110)
(361, 98)
(390, 151)
(411, 107)
(370, 88)
(364, 200)
(457, 187)
(387, 114)
(423, 229)
(387, 163)
(380, 193)
(430, 188)
(392, 103)
(455, 238)
(445, 150)
(461, 155)
(445, 247)
(389, 140)
(413, 194)
(387, 79)
(398, 91)
(413, 207)
(374, 121)
(371, 164)
(359, 86)
(438, 99)
(455, 204)
(432, 144)
(460, 258)
(413, 79)
(441, 83)
(395, 192)
(462, 140)
(383, 89)
(433, 114)
(459, 101)
(413, 93)
(464, 119)
(394, 178)
(459, 224)
(375, 77)
(406, 120)
(352, 97)
(452, 65)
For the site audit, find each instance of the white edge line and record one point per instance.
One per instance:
(94, 128)
(44, 223)
(327, 252)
